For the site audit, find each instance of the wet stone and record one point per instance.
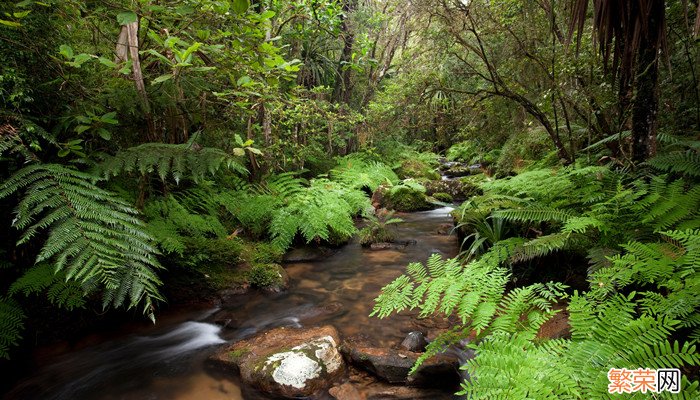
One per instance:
(286, 362)
(415, 342)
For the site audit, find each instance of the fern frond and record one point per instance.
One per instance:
(11, 325)
(93, 237)
(533, 214)
(357, 173)
(170, 160)
(687, 163)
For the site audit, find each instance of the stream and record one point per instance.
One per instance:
(169, 362)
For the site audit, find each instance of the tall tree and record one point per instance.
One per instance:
(633, 33)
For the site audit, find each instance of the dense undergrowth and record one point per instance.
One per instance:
(640, 235)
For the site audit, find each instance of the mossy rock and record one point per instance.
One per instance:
(443, 197)
(408, 197)
(270, 277)
(416, 169)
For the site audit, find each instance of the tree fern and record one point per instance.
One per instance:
(60, 291)
(93, 237)
(170, 160)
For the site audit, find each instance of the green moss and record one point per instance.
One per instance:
(238, 353)
(408, 196)
(443, 197)
(416, 169)
(261, 253)
(264, 275)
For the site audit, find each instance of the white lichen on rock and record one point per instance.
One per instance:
(304, 362)
(294, 369)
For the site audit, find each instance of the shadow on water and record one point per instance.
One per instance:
(170, 364)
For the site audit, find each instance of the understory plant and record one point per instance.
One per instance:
(379, 228)
(641, 236)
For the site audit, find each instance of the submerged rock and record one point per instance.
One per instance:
(346, 391)
(286, 362)
(307, 254)
(393, 366)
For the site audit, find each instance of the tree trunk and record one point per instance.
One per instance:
(342, 90)
(128, 47)
(646, 101)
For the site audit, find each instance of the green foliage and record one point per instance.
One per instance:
(11, 325)
(670, 267)
(43, 278)
(318, 211)
(355, 172)
(642, 239)
(175, 160)
(171, 222)
(687, 163)
(522, 149)
(378, 229)
(463, 151)
(94, 238)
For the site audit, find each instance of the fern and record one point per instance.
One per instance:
(356, 173)
(671, 267)
(93, 237)
(474, 292)
(174, 160)
(60, 291)
(687, 163)
(670, 205)
(11, 325)
(323, 209)
(604, 336)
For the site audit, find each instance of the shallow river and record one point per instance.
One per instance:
(169, 361)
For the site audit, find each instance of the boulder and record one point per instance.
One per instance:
(286, 362)
(393, 366)
(459, 189)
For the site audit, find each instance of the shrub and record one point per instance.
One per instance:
(522, 149)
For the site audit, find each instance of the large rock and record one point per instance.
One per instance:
(287, 362)
(393, 366)
(458, 189)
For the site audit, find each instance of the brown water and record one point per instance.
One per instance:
(170, 362)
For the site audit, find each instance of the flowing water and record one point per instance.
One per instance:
(170, 362)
